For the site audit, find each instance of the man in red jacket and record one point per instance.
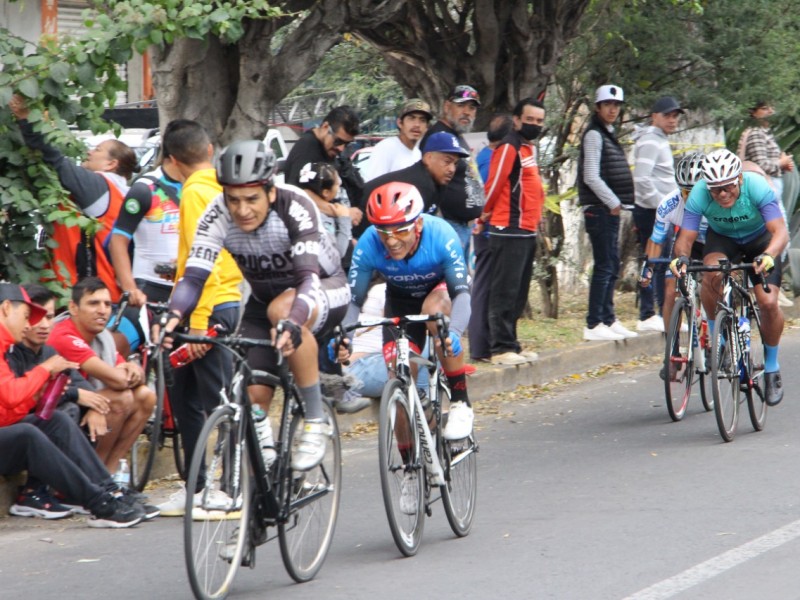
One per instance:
(514, 200)
(50, 450)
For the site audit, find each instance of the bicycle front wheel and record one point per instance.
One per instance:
(313, 506)
(725, 376)
(216, 524)
(678, 361)
(402, 478)
(460, 463)
(143, 451)
(756, 405)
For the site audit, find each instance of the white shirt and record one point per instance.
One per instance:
(390, 155)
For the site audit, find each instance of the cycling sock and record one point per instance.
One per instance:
(312, 399)
(458, 385)
(771, 359)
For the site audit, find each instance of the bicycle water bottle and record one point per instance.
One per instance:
(123, 475)
(744, 329)
(180, 357)
(50, 396)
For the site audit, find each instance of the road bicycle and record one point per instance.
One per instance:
(240, 498)
(412, 452)
(162, 426)
(737, 350)
(687, 351)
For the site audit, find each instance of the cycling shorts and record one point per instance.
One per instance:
(747, 252)
(400, 306)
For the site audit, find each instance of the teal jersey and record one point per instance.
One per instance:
(745, 220)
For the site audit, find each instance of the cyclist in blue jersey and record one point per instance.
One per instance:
(669, 215)
(744, 223)
(420, 257)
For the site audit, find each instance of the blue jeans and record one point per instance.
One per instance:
(644, 219)
(464, 232)
(371, 375)
(603, 230)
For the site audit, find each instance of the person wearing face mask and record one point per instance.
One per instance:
(514, 200)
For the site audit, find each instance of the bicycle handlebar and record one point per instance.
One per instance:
(726, 267)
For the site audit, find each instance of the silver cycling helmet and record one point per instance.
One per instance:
(721, 166)
(690, 169)
(245, 163)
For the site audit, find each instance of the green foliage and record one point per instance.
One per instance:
(69, 82)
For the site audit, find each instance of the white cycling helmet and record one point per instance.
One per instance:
(690, 169)
(721, 167)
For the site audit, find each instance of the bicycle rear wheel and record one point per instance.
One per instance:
(756, 405)
(397, 453)
(460, 463)
(305, 536)
(725, 376)
(678, 361)
(143, 451)
(215, 532)
(177, 442)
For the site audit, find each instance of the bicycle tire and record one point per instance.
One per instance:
(215, 533)
(143, 451)
(313, 506)
(706, 396)
(756, 405)
(725, 376)
(177, 447)
(460, 492)
(678, 360)
(395, 417)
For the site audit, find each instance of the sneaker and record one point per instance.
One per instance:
(334, 386)
(218, 506)
(509, 358)
(774, 388)
(654, 323)
(459, 421)
(113, 513)
(266, 441)
(176, 505)
(618, 328)
(408, 493)
(352, 402)
(783, 300)
(530, 355)
(311, 446)
(134, 498)
(38, 503)
(601, 333)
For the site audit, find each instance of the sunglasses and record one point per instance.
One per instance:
(337, 141)
(397, 231)
(730, 188)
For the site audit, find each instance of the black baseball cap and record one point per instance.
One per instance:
(16, 293)
(666, 105)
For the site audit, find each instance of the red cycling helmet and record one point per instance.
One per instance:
(394, 203)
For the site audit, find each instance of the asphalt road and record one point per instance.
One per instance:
(589, 492)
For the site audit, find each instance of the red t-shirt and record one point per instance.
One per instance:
(68, 342)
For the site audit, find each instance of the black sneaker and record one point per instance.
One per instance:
(134, 498)
(773, 394)
(38, 503)
(115, 514)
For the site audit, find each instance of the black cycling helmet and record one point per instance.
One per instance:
(245, 163)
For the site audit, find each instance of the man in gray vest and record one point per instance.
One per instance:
(604, 185)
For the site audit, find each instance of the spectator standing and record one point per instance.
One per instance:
(604, 184)
(758, 145)
(397, 152)
(97, 188)
(462, 201)
(654, 180)
(218, 305)
(480, 349)
(514, 201)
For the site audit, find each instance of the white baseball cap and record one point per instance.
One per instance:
(609, 92)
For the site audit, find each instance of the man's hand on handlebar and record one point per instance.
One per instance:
(287, 337)
(678, 266)
(764, 263)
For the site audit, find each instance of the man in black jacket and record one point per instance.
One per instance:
(604, 183)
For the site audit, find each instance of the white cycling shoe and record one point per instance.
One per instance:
(311, 446)
(459, 421)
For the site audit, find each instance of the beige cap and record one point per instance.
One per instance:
(416, 105)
